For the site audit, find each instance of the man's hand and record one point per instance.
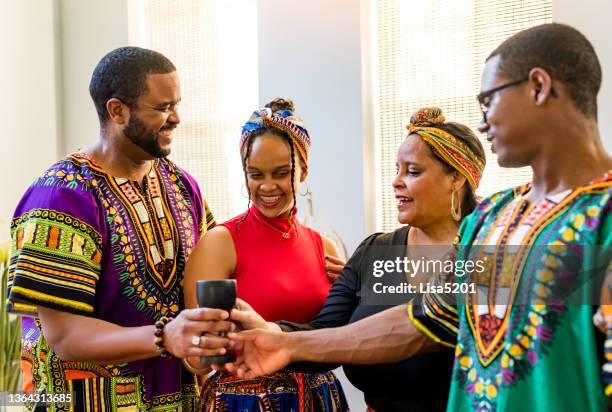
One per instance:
(194, 333)
(264, 352)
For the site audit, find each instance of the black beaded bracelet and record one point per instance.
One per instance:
(159, 336)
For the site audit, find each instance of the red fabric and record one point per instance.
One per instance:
(280, 278)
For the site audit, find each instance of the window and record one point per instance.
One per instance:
(213, 44)
(432, 53)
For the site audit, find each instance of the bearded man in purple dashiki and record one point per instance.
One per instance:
(99, 244)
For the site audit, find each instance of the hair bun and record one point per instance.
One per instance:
(280, 104)
(426, 117)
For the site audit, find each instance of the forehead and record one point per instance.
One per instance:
(414, 150)
(490, 74)
(269, 151)
(164, 86)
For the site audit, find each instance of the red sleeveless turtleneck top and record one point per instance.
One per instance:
(280, 278)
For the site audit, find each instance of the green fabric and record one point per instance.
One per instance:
(547, 359)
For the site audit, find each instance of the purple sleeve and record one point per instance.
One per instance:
(56, 245)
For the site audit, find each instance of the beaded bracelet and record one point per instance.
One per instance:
(159, 336)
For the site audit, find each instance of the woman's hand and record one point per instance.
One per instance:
(248, 319)
(333, 267)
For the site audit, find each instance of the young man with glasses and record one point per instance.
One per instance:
(525, 341)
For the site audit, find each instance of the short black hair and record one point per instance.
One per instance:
(122, 74)
(564, 52)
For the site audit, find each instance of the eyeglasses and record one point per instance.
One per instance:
(166, 108)
(484, 98)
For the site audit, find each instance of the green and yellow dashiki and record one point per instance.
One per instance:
(88, 243)
(525, 340)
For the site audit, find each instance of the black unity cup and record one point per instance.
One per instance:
(218, 294)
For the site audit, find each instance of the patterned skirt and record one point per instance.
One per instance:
(283, 391)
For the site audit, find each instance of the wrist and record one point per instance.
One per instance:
(291, 345)
(159, 335)
(195, 370)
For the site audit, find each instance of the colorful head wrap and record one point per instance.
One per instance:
(284, 120)
(452, 150)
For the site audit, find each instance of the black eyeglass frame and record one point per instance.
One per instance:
(483, 95)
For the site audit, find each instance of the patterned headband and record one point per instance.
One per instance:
(454, 151)
(283, 120)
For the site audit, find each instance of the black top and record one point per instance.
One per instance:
(420, 383)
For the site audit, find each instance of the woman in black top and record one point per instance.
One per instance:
(438, 168)
(420, 383)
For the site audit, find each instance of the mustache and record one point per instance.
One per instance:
(169, 127)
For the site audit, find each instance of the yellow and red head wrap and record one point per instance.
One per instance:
(452, 150)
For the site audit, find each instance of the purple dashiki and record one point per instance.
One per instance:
(88, 243)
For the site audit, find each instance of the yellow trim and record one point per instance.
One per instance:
(23, 308)
(431, 314)
(444, 305)
(57, 252)
(53, 299)
(90, 276)
(47, 279)
(424, 330)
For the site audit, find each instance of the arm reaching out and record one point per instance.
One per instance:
(388, 336)
(82, 338)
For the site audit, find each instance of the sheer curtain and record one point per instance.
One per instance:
(213, 44)
(432, 53)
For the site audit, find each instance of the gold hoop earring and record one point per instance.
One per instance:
(307, 192)
(455, 213)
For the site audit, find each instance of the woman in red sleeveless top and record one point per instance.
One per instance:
(279, 264)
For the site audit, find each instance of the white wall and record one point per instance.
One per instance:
(51, 48)
(29, 83)
(310, 51)
(89, 30)
(592, 18)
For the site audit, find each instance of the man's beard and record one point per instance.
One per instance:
(144, 138)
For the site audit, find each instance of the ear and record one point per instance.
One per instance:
(117, 111)
(458, 181)
(303, 173)
(541, 85)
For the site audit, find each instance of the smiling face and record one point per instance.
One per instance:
(268, 170)
(422, 185)
(155, 115)
(508, 121)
